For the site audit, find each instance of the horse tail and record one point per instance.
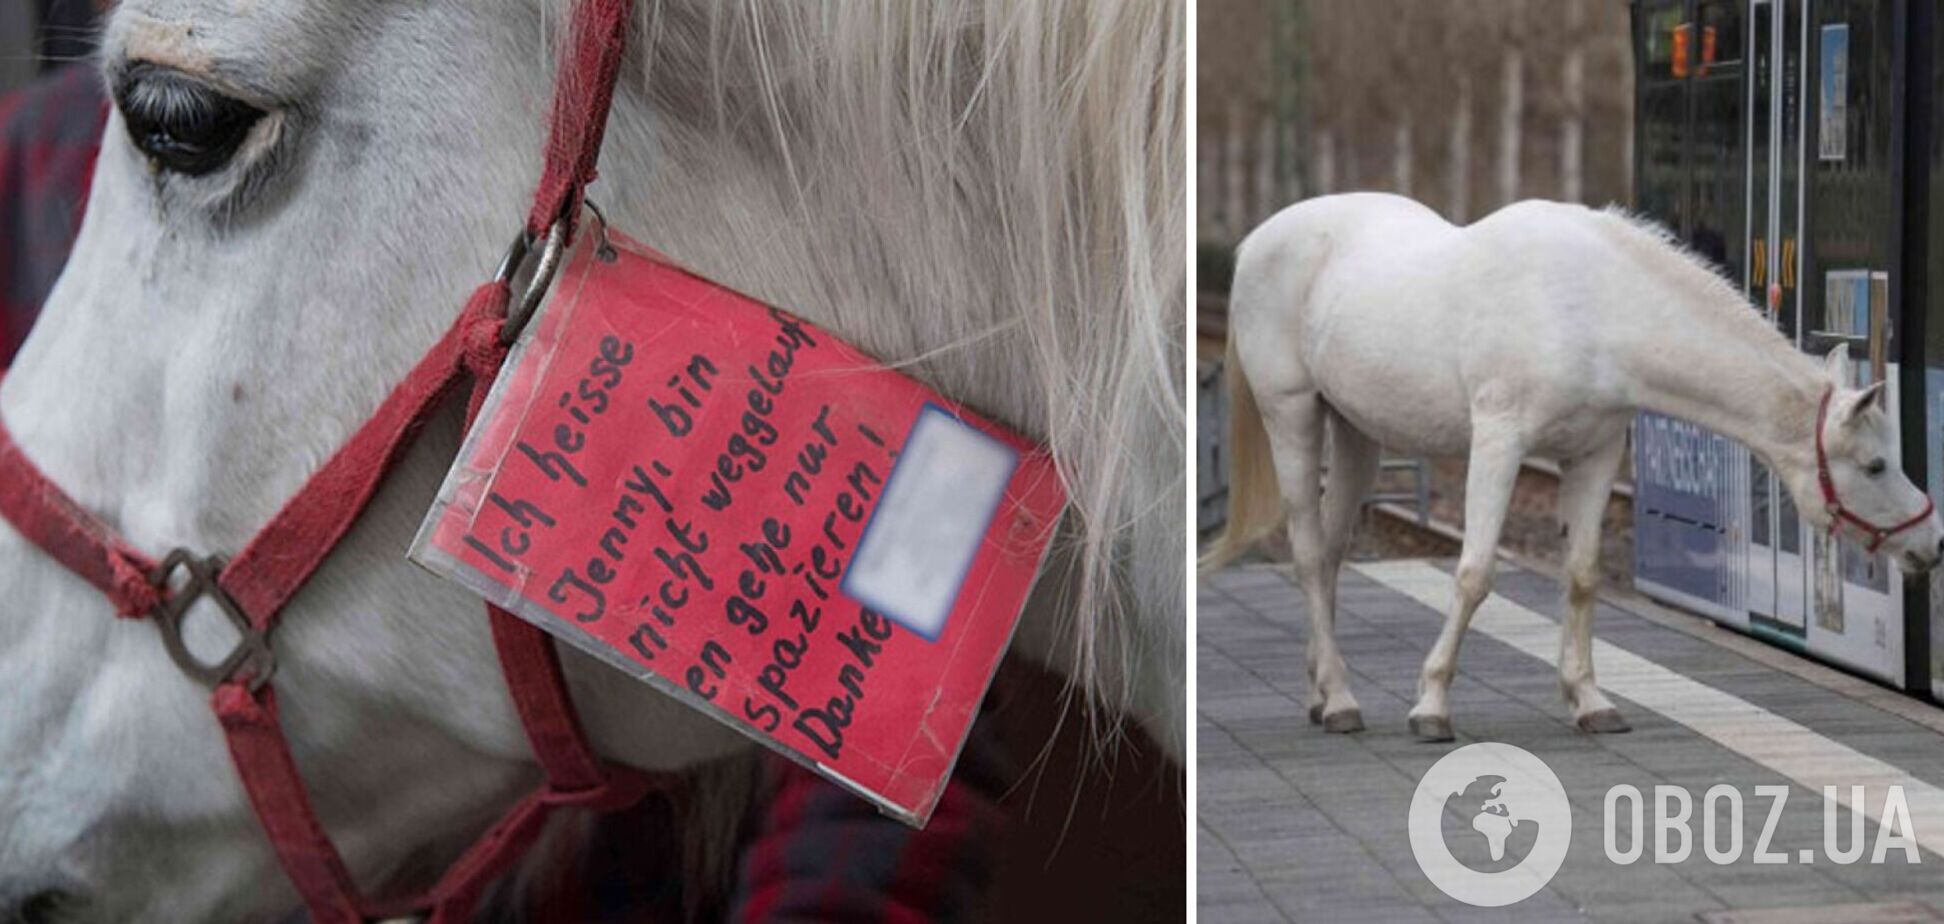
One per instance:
(1255, 506)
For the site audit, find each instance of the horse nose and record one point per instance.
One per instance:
(1931, 561)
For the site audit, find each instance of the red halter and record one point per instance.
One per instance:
(252, 588)
(1837, 511)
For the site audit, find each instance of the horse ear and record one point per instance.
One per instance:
(1837, 363)
(1855, 403)
(1877, 395)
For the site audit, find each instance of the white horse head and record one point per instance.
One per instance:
(1863, 460)
(291, 201)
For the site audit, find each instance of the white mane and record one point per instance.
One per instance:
(1706, 285)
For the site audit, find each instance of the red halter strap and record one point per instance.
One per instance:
(252, 589)
(1840, 513)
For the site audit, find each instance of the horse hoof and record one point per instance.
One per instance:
(1342, 723)
(1316, 713)
(1603, 722)
(1431, 728)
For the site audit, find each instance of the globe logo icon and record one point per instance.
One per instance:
(1490, 824)
(1484, 830)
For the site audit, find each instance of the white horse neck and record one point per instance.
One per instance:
(1698, 351)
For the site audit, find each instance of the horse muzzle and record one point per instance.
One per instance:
(1919, 561)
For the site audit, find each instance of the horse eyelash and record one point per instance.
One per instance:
(154, 100)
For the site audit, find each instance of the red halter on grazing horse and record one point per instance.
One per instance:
(1841, 514)
(252, 588)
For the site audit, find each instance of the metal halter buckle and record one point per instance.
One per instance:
(252, 650)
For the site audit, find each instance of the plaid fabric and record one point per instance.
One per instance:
(50, 132)
(822, 854)
(811, 851)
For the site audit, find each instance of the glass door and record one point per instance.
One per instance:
(1851, 235)
(1778, 576)
(1690, 484)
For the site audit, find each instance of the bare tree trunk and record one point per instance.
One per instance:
(1238, 175)
(1208, 181)
(1293, 181)
(1266, 193)
(1460, 155)
(1572, 128)
(1325, 162)
(1401, 158)
(1510, 115)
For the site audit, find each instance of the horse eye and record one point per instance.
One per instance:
(1875, 468)
(183, 125)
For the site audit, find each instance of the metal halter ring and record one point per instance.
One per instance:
(252, 651)
(605, 249)
(520, 310)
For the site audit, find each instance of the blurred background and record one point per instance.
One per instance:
(1463, 106)
(37, 36)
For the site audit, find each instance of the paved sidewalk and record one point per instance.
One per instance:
(1298, 825)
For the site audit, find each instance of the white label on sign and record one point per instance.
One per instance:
(922, 538)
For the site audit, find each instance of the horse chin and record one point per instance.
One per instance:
(1920, 550)
(1915, 563)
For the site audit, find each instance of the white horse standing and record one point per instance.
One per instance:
(1538, 331)
(292, 202)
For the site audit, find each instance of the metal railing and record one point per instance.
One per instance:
(1418, 497)
(1211, 448)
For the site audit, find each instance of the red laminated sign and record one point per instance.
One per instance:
(751, 515)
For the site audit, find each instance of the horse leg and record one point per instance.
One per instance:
(1295, 427)
(1583, 492)
(1354, 460)
(1353, 469)
(1497, 449)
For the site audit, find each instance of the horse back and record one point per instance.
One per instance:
(1406, 323)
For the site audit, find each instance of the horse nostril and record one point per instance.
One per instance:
(46, 907)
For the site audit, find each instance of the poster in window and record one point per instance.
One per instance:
(1832, 132)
